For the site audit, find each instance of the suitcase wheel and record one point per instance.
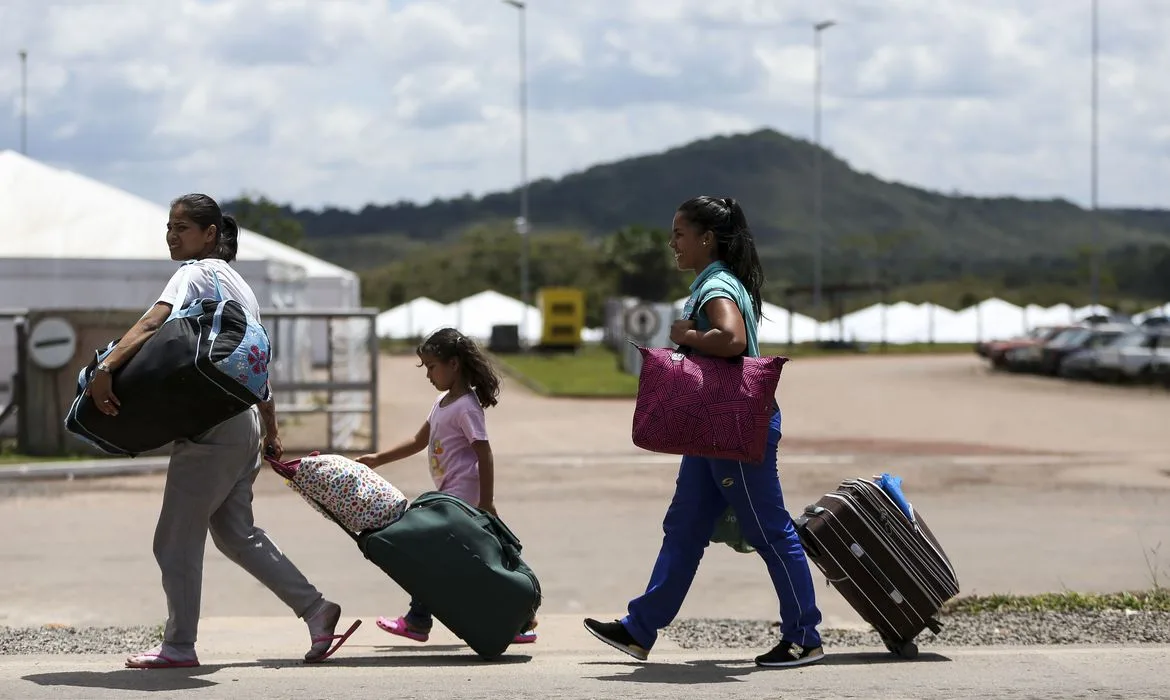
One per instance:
(906, 650)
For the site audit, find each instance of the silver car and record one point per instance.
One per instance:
(1134, 356)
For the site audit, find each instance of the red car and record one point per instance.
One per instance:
(996, 350)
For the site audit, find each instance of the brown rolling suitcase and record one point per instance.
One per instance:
(889, 567)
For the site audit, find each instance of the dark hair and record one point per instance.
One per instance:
(474, 366)
(734, 244)
(204, 211)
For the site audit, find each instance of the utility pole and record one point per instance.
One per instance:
(522, 223)
(23, 101)
(1095, 254)
(818, 264)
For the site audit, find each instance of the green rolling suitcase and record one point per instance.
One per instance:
(464, 565)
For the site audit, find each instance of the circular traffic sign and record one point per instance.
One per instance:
(51, 343)
(641, 322)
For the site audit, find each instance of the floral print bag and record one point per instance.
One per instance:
(347, 492)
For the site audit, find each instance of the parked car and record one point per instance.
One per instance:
(1080, 364)
(1160, 371)
(1053, 353)
(996, 350)
(1132, 356)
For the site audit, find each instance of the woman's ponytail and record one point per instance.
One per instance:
(229, 240)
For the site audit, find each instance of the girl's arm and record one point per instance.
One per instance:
(416, 444)
(727, 336)
(487, 475)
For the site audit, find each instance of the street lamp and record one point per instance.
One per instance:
(818, 263)
(23, 101)
(1095, 254)
(522, 222)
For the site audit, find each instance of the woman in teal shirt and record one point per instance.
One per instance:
(711, 236)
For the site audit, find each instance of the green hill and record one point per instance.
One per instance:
(772, 175)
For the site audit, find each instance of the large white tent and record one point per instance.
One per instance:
(414, 319)
(73, 242)
(474, 316)
(897, 323)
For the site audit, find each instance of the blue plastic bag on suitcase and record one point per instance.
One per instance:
(892, 485)
(207, 363)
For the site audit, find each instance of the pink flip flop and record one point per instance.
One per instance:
(341, 639)
(151, 659)
(399, 627)
(525, 637)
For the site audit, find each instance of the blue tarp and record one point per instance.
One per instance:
(892, 485)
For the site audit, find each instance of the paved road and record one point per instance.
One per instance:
(1031, 485)
(575, 666)
(978, 674)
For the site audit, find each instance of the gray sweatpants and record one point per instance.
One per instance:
(209, 486)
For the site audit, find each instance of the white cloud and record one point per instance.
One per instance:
(355, 101)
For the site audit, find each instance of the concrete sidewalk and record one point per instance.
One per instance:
(259, 658)
(80, 468)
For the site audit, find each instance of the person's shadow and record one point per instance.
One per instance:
(175, 679)
(142, 680)
(705, 672)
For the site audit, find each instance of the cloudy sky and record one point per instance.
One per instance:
(347, 102)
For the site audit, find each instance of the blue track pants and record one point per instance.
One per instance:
(704, 489)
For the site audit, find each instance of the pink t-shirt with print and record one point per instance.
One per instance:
(454, 465)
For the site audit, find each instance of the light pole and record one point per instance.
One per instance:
(23, 101)
(522, 224)
(1095, 254)
(818, 262)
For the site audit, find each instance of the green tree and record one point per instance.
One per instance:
(262, 215)
(641, 263)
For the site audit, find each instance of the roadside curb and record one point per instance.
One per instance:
(83, 468)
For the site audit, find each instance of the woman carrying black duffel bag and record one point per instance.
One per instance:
(210, 475)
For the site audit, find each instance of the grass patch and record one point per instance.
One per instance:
(591, 371)
(812, 350)
(1153, 600)
(10, 459)
(595, 371)
(9, 455)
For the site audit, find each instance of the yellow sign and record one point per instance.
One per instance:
(563, 314)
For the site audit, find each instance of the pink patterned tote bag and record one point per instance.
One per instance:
(691, 404)
(357, 497)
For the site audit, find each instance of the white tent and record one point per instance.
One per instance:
(415, 318)
(989, 319)
(71, 241)
(1091, 310)
(475, 315)
(1156, 312)
(775, 325)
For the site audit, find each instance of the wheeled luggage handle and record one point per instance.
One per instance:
(801, 523)
(871, 566)
(494, 523)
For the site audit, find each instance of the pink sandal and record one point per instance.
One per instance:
(341, 639)
(156, 659)
(400, 628)
(525, 637)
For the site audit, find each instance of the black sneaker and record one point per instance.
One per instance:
(617, 636)
(787, 654)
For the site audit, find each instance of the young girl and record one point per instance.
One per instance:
(456, 441)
